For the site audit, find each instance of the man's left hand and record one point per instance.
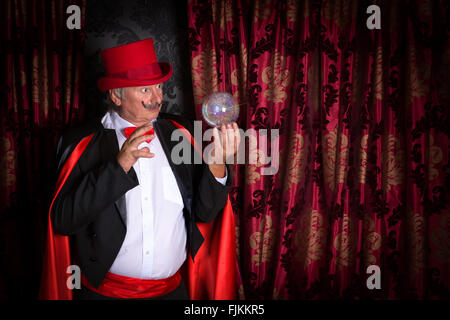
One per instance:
(226, 146)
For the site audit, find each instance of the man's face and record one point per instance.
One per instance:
(139, 105)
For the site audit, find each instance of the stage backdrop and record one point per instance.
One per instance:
(364, 134)
(41, 81)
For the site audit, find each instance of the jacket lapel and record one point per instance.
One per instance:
(109, 149)
(182, 173)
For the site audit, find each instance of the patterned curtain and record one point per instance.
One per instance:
(40, 79)
(364, 168)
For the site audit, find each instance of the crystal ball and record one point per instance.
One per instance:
(220, 108)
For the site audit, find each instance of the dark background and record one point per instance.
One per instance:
(113, 23)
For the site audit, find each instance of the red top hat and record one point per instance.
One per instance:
(133, 65)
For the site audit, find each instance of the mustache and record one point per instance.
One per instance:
(151, 106)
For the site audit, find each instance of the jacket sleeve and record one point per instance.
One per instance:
(211, 196)
(86, 193)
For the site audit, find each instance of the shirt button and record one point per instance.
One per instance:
(146, 198)
(146, 252)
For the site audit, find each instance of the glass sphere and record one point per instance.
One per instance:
(220, 108)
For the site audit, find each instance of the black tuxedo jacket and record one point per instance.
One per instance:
(90, 206)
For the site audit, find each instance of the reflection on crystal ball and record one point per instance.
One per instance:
(220, 108)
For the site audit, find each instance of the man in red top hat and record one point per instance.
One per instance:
(123, 211)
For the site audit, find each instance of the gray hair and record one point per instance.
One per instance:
(120, 93)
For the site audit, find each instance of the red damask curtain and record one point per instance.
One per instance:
(364, 134)
(41, 83)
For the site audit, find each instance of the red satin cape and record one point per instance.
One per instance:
(57, 251)
(211, 276)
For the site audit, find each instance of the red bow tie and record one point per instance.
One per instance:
(128, 131)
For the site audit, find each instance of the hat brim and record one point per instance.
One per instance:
(108, 83)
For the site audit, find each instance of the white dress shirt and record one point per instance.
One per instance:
(155, 242)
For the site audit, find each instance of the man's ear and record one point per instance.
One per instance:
(114, 98)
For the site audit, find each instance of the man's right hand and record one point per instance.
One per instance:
(129, 153)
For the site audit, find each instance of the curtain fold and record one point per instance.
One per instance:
(363, 143)
(41, 78)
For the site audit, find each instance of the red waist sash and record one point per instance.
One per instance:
(117, 286)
